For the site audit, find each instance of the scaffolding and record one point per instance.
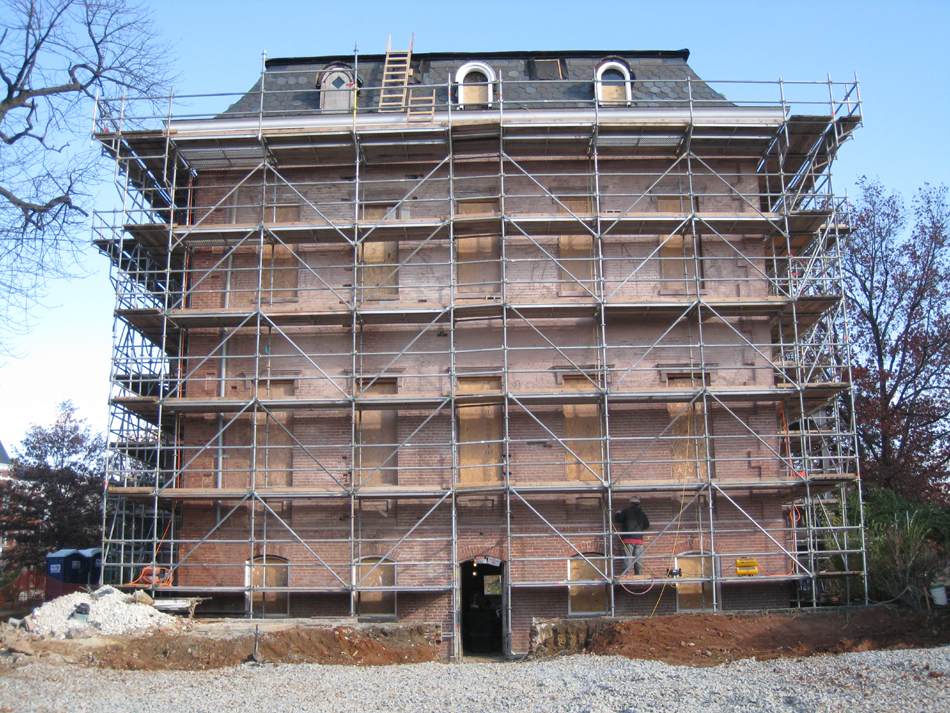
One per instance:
(360, 347)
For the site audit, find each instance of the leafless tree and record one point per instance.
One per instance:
(54, 56)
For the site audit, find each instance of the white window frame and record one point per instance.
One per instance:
(469, 67)
(599, 82)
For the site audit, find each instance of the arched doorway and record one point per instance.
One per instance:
(482, 608)
(264, 572)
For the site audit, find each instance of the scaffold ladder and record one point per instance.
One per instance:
(396, 70)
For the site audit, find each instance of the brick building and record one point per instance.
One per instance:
(396, 334)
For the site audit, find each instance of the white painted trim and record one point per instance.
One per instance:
(476, 67)
(620, 67)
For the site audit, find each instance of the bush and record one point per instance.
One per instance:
(902, 561)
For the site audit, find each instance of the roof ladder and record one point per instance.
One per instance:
(392, 96)
(421, 104)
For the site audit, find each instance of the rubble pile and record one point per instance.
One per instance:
(105, 612)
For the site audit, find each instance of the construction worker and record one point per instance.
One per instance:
(631, 522)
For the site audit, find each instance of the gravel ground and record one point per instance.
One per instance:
(909, 681)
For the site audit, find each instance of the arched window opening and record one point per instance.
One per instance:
(476, 82)
(613, 84)
(265, 572)
(376, 572)
(336, 89)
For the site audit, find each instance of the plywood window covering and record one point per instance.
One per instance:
(576, 252)
(378, 260)
(480, 448)
(587, 598)
(694, 596)
(336, 90)
(687, 432)
(474, 91)
(377, 431)
(270, 571)
(582, 433)
(274, 458)
(679, 252)
(377, 604)
(613, 87)
(280, 272)
(282, 213)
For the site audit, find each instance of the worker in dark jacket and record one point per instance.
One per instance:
(631, 522)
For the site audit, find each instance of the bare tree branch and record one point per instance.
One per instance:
(54, 56)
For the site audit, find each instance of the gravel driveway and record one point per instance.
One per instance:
(909, 681)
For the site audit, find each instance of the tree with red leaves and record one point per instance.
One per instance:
(54, 500)
(897, 276)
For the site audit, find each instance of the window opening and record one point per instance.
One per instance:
(694, 596)
(480, 452)
(587, 598)
(280, 271)
(378, 260)
(576, 252)
(336, 89)
(475, 85)
(269, 571)
(582, 433)
(377, 433)
(687, 431)
(376, 572)
(613, 84)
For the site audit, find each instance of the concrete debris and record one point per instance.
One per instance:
(110, 612)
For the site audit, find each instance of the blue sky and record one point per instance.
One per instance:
(899, 53)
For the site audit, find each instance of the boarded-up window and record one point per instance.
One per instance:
(336, 90)
(273, 445)
(613, 87)
(282, 213)
(480, 452)
(587, 598)
(582, 433)
(687, 432)
(377, 431)
(679, 252)
(576, 252)
(678, 263)
(479, 259)
(694, 596)
(280, 270)
(376, 572)
(379, 264)
(474, 91)
(266, 572)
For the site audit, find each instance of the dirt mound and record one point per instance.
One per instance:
(339, 645)
(709, 639)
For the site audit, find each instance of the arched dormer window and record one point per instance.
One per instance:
(336, 88)
(613, 84)
(476, 85)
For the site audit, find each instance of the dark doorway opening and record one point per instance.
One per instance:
(481, 616)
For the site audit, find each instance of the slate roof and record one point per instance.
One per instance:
(659, 78)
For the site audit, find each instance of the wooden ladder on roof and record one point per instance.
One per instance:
(421, 104)
(395, 85)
